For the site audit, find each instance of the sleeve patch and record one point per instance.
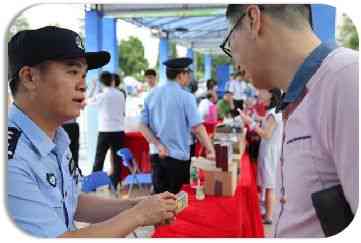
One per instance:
(13, 138)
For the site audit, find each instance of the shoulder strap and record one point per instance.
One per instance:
(13, 138)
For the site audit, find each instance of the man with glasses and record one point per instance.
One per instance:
(168, 118)
(317, 177)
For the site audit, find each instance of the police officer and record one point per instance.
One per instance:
(47, 69)
(168, 118)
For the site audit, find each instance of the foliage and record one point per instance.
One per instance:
(19, 24)
(348, 33)
(131, 58)
(216, 60)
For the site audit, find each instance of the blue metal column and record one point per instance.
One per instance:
(109, 43)
(207, 66)
(93, 42)
(324, 21)
(190, 54)
(222, 75)
(163, 56)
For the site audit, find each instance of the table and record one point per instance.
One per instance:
(139, 147)
(237, 216)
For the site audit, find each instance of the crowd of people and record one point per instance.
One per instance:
(300, 111)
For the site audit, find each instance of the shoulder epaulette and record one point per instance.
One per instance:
(13, 138)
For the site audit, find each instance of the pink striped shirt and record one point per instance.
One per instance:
(320, 146)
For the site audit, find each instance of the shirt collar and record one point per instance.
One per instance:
(43, 144)
(304, 73)
(175, 82)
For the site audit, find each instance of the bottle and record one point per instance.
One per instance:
(200, 192)
(194, 178)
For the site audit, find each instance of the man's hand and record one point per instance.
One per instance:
(163, 152)
(156, 210)
(211, 155)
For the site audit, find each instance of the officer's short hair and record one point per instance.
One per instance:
(117, 79)
(150, 72)
(106, 78)
(15, 82)
(295, 16)
(172, 73)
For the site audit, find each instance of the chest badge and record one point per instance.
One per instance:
(71, 166)
(50, 177)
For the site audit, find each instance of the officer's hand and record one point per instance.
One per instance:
(211, 155)
(156, 210)
(163, 152)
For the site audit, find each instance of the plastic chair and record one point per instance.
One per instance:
(95, 180)
(136, 177)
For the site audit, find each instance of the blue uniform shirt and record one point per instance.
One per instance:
(42, 183)
(170, 112)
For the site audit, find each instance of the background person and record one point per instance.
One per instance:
(111, 113)
(171, 134)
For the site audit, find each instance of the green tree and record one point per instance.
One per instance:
(173, 49)
(199, 75)
(131, 59)
(348, 33)
(20, 23)
(216, 60)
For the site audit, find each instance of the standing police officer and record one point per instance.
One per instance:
(47, 69)
(169, 116)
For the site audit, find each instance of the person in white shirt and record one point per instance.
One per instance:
(238, 87)
(111, 110)
(269, 155)
(206, 105)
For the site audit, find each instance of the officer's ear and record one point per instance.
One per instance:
(27, 76)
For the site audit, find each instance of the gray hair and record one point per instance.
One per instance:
(295, 16)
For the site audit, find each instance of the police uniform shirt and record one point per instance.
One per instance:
(42, 183)
(170, 112)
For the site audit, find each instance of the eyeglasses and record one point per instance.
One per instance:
(225, 46)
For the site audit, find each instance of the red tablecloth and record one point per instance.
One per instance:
(237, 216)
(139, 147)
